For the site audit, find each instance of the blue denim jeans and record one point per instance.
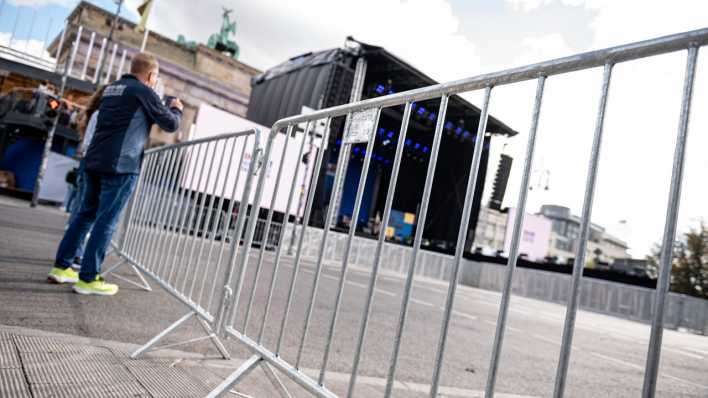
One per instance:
(103, 200)
(76, 204)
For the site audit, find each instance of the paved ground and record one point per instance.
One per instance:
(608, 354)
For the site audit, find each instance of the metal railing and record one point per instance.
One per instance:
(597, 295)
(174, 228)
(85, 46)
(88, 49)
(364, 116)
(91, 49)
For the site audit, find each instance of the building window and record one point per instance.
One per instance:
(563, 245)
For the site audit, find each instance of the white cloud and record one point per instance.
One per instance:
(542, 48)
(640, 126)
(32, 46)
(527, 5)
(424, 32)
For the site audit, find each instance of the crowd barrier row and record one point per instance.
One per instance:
(174, 228)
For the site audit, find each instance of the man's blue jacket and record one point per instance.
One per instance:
(127, 111)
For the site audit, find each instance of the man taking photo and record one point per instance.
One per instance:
(129, 107)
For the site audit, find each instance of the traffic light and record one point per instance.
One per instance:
(52, 108)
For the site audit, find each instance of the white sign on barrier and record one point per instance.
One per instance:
(361, 126)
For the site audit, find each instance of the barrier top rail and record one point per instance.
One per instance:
(205, 139)
(591, 59)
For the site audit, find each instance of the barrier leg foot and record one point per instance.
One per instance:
(214, 339)
(235, 377)
(275, 380)
(160, 335)
(143, 284)
(113, 267)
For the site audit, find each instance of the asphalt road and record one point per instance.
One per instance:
(607, 360)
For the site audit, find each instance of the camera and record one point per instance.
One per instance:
(167, 99)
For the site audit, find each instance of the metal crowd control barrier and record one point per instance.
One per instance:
(174, 229)
(364, 116)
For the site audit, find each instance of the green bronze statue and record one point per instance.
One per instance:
(220, 41)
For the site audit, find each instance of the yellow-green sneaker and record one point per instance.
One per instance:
(98, 287)
(59, 275)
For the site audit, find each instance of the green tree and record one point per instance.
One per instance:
(689, 271)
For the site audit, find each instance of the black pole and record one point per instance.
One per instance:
(50, 135)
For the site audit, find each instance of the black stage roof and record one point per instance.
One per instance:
(312, 72)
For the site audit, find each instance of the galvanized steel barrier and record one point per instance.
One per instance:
(597, 295)
(188, 198)
(363, 118)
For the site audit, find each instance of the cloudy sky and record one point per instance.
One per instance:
(451, 39)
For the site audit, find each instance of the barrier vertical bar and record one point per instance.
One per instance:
(210, 233)
(199, 211)
(255, 209)
(130, 208)
(153, 208)
(60, 46)
(75, 50)
(238, 231)
(215, 227)
(465, 222)
(420, 226)
(581, 251)
(45, 43)
(318, 268)
(166, 209)
(305, 222)
(152, 163)
(151, 242)
(516, 236)
(88, 55)
(379, 247)
(14, 29)
(229, 212)
(193, 202)
(183, 193)
(133, 206)
(177, 211)
(296, 265)
(149, 169)
(348, 247)
(101, 54)
(205, 230)
(31, 28)
(354, 96)
(109, 71)
(301, 197)
(121, 64)
(269, 217)
(667, 244)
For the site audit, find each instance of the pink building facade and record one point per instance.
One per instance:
(535, 236)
